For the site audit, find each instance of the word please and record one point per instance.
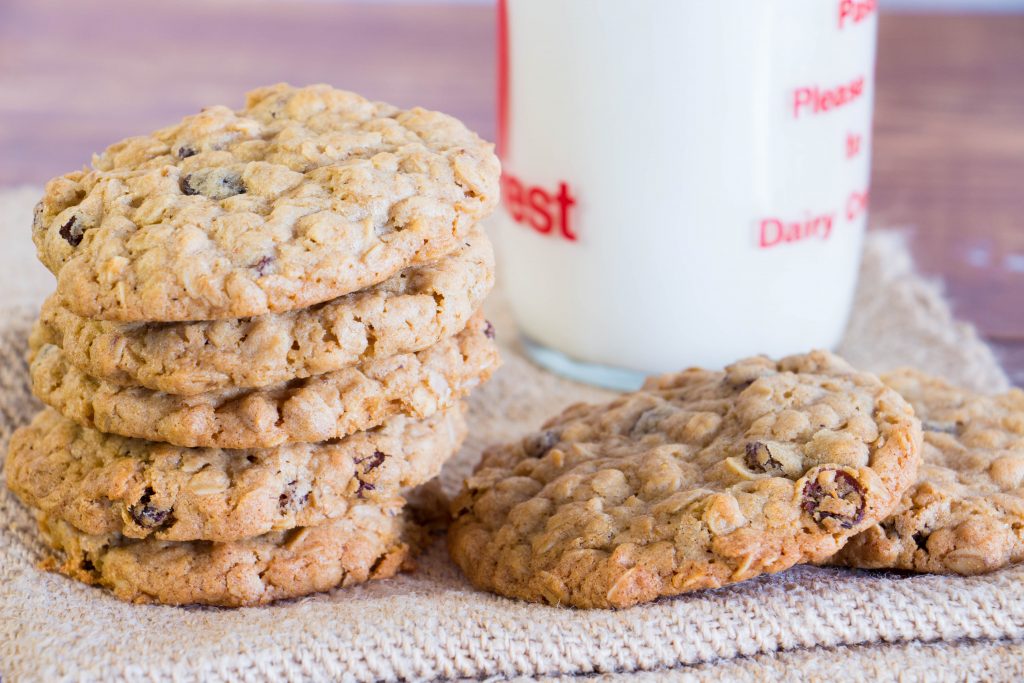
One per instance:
(814, 100)
(547, 212)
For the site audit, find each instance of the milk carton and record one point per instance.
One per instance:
(686, 183)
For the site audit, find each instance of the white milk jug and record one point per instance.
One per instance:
(685, 181)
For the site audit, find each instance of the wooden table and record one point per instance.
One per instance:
(949, 133)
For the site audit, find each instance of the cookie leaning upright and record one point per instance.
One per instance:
(304, 195)
(965, 512)
(699, 480)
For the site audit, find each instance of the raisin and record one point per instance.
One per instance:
(758, 458)
(186, 151)
(943, 427)
(229, 186)
(537, 445)
(489, 330)
(372, 461)
(37, 217)
(840, 499)
(146, 515)
(186, 187)
(650, 420)
(72, 232)
(364, 486)
(290, 500)
(215, 183)
(263, 264)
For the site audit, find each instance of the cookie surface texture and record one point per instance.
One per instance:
(103, 484)
(367, 542)
(328, 406)
(699, 480)
(406, 313)
(965, 512)
(302, 196)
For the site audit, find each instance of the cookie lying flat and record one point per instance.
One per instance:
(304, 195)
(105, 484)
(367, 542)
(699, 480)
(965, 513)
(314, 409)
(409, 312)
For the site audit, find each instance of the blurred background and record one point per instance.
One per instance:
(77, 75)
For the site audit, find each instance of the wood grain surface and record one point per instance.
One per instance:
(949, 123)
(949, 161)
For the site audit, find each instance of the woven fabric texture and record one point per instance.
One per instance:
(807, 623)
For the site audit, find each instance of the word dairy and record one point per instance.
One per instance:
(774, 231)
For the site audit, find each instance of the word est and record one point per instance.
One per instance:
(546, 212)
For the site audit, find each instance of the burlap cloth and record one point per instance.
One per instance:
(807, 623)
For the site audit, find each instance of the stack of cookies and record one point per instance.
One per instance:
(263, 326)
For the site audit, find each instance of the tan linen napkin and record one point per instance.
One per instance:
(806, 623)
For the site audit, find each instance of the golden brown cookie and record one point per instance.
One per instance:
(302, 196)
(407, 313)
(309, 410)
(699, 480)
(103, 484)
(965, 513)
(369, 541)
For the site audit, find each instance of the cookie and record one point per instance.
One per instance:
(304, 195)
(314, 409)
(367, 542)
(965, 513)
(700, 479)
(407, 313)
(104, 484)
